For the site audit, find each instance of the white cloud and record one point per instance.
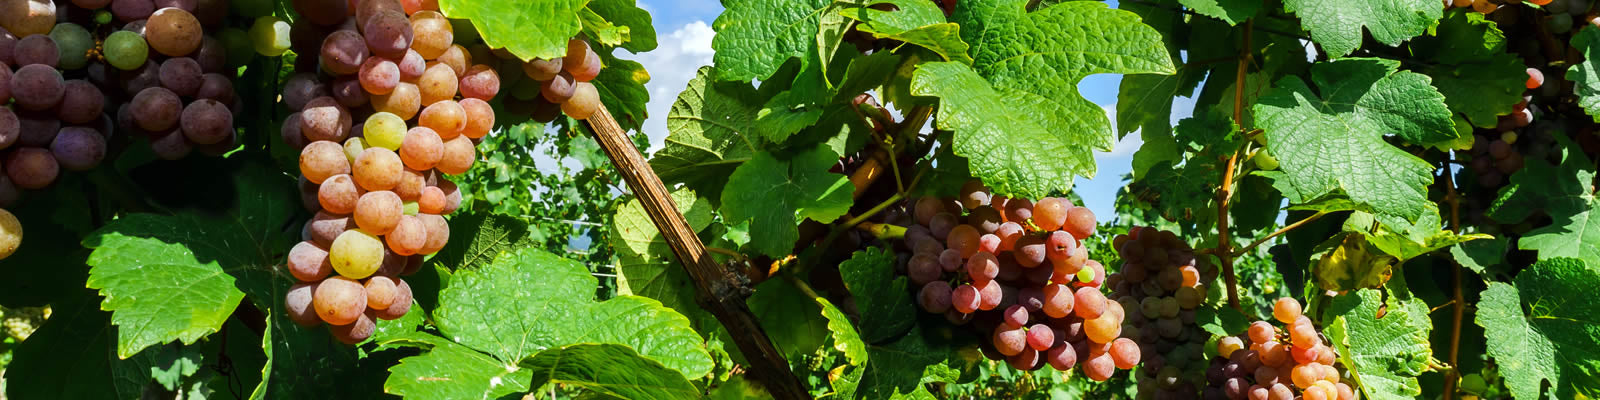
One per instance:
(672, 65)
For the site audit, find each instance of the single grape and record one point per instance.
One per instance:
(452, 195)
(1030, 251)
(1286, 310)
(339, 194)
(433, 34)
(207, 121)
(1535, 78)
(558, 89)
(438, 233)
(74, 43)
(31, 168)
(965, 299)
(297, 302)
(378, 75)
(325, 227)
(991, 293)
(403, 102)
(1125, 353)
(377, 168)
(1010, 340)
(388, 33)
(581, 61)
(340, 300)
(381, 292)
(348, 92)
(459, 155)
(378, 212)
(1104, 329)
(1099, 368)
(411, 184)
(355, 332)
(1229, 344)
(81, 102)
(483, 83)
(403, 296)
(935, 297)
(37, 87)
(343, 52)
(37, 50)
(446, 118)
(1080, 222)
(172, 145)
(356, 254)
(78, 148)
(173, 32)
(408, 236)
(309, 262)
(1040, 337)
(323, 159)
(431, 201)
(438, 83)
(480, 118)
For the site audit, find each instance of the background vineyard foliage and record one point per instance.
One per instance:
(1368, 143)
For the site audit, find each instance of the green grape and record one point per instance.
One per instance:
(356, 254)
(270, 36)
(1086, 275)
(409, 208)
(74, 43)
(385, 130)
(10, 233)
(353, 148)
(126, 50)
(103, 17)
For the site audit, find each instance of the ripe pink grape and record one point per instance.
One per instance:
(340, 300)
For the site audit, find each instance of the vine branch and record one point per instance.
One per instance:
(1225, 191)
(719, 289)
(1458, 303)
(1279, 232)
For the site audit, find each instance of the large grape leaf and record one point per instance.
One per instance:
(1231, 11)
(1384, 354)
(712, 132)
(453, 371)
(1336, 25)
(1566, 193)
(774, 195)
(492, 309)
(899, 368)
(609, 370)
(72, 356)
(479, 237)
(754, 38)
(795, 324)
(917, 22)
(527, 28)
(1407, 239)
(1472, 69)
(1543, 328)
(1585, 76)
(177, 277)
(1043, 53)
(880, 294)
(1336, 142)
(641, 35)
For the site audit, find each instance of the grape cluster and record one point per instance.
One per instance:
(563, 84)
(378, 187)
(1267, 364)
(65, 68)
(1164, 282)
(1018, 272)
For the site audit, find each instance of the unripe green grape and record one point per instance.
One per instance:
(1265, 160)
(385, 130)
(356, 254)
(126, 50)
(270, 36)
(74, 43)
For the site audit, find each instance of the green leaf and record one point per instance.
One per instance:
(646, 264)
(609, 370)
(879, 293)
(1482, 256)
(177, 277)
(777, 194)
(1353, 264)
(901, 367)
(1566, 193)
(476, 238)
(1477, 77)
(491, 309)
(845, 338)
(1405, 239)
(1542, 328)
(453, 371)
(916, 22)
(755, 38)
(621, 88)
(1221, 321)
(795, 325)
(71, 356)
(623, 13)
(1585, 76)
(712, 132)
(1034, 61)
(1336, 25)
(1337, 142)
(1231, 11)
(174, 363)
(1385, 355)
(527, 28)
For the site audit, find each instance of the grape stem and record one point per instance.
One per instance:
(730, 253)
(1246, 249)
(1458, 303)
(1225, 191)
(883, 231)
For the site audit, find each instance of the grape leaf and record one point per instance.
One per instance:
(624, 14)
(755, 38)
(177, 277)
(712, 132)
(491, 310)
(71, 356)
(845, 338)
(1002, 132)
(916, 22)
(609, 370)
(621, 88)
(1406, 239)
(307, 362)
(1477, 77)
(453, 371)
(1566, 193)
(1585, 76)
(1353, 264)
(901, 367)
(527, 28)
(1035, 61)
(1337, 142)
(879, 293)
(1484, 257)
(795, 325)
(476, 238)
(1385, 355)
(1336, 25)
(777, 194)
(646, 265)
(1221, 321)
(1230, 11)
(1542, 328)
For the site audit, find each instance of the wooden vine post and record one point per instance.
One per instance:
(718, 288)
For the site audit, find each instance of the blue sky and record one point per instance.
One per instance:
(683, 28)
